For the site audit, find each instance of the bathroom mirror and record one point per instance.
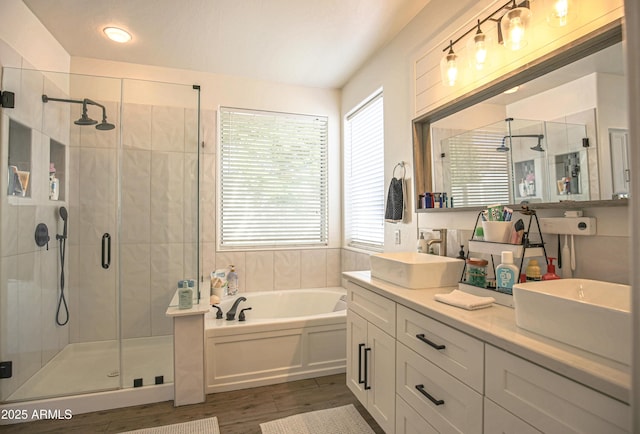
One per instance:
(561, 137)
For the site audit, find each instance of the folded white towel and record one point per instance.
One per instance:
(464, 300)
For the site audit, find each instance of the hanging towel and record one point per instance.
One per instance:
(464, 300)
(395, 201)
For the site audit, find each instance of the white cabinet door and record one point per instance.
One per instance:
(409, 421)
(380, 357)
(356, 343)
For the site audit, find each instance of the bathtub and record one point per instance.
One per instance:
(287, 335)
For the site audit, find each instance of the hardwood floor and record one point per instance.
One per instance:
(238, 412)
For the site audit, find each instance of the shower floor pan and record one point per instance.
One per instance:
(95, 366)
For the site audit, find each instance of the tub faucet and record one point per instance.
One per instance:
(442, 251)
(231, 314)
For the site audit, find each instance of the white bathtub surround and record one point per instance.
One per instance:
(188, 351)
(296, 333)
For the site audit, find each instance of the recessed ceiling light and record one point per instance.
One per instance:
(512, 90)
(116, 34)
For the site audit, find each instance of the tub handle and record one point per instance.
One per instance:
(241, 316)
(367, 351)
(360, 380)
(420, 388)
(430, 343)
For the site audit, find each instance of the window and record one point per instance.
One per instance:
(273, 179)
(364, 176)
(479, 174)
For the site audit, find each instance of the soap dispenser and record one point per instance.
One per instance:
(422, 244)
(551, 271)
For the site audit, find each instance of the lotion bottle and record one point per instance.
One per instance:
(232, 281)
(185, 295)
(506, 273)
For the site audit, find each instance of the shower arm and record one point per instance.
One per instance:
(84, 103)
(91, 102)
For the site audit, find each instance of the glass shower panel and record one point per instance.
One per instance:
(58, 305)
(159, 221)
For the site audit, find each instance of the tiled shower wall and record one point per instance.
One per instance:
(29, 336)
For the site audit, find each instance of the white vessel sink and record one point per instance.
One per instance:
(416, 270)
(588, 314)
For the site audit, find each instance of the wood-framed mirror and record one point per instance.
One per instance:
(564, 152)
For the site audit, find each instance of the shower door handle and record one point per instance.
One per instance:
(106, 251)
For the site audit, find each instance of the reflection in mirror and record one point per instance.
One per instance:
(562, 136)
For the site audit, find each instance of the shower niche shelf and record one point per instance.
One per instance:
(57, 161)
(19, 185)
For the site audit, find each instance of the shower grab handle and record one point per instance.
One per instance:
(106, 251)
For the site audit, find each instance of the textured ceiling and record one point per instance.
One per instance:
(318, 43)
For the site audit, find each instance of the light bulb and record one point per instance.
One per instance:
(560, 12)
(452, 69)
(480, 51)
(516, 34)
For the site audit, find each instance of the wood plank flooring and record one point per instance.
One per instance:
(238, 412)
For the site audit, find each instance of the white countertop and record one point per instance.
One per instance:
(496, 325)
(197, 309)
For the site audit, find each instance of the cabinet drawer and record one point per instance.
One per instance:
(457, 353)
(375, 308)
(408, 421)
(548, 401)
(457, 407)
(499, 420)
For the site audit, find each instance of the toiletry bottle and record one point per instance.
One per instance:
(422, 244)
(54, 183)
(551, 271)
(232, 281)
(185, 295)
(506, 273)
(533, 272)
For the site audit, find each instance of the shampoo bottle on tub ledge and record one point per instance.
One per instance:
(506, 273)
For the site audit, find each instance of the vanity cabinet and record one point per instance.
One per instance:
(550, 402)
(371, 353)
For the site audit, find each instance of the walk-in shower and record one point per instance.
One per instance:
(70, 325)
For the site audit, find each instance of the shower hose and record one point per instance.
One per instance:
(62, 302)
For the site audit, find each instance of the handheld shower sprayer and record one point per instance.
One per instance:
(63, 215)
(62, 239)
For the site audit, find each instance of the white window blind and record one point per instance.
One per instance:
(479, 173)
(364, 176)
(273, 179)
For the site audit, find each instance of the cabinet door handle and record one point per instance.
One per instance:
(360, 380)
(428, 342)
(106, 251)
(420, 388)
(367, 351)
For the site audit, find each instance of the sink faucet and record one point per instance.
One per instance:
(442, 241)
(231, 314)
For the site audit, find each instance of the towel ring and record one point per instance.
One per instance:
(404, 169)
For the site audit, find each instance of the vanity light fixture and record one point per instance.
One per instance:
(560, 12)
(449, 67)
(117, 34)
